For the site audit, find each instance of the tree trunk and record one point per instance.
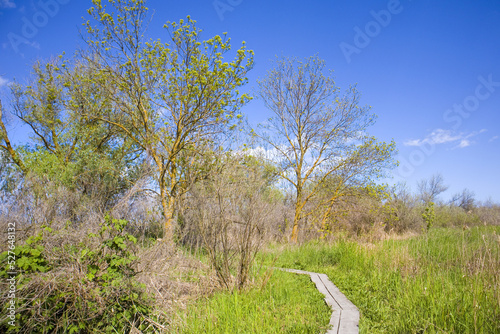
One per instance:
(296, 217)
(168, 204)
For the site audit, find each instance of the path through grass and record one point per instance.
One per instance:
(447, 281)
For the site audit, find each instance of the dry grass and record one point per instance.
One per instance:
(173, 277)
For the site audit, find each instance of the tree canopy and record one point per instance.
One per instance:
(318, 134)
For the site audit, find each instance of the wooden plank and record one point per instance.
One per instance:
(349, 321)
(335, 292)
(296, 271)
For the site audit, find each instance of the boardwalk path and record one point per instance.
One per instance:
(345, 316)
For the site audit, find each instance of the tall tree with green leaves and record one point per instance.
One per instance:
(66, 147)
(173, 100)
(317, 135)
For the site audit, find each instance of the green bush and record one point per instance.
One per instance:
(448, 216)
(83, 287)
(429, 215)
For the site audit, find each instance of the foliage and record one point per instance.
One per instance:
(318, 135)
(66, 148)
(443, 281)
(288, 303)
(77, 287)
(172, 99)
(429, 215)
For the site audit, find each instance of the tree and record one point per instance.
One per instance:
(6, 145)
(173, 100)
(430, 188)
(464, 200)
(67, 148)
(317, 135)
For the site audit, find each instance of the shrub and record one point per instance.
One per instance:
(448, 216)
(429, 215)
(77, 287)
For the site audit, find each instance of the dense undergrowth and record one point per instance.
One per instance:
(95, 283)
(445, 281)
(67, 284)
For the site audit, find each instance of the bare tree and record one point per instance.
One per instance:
(464, 199)
(430, 188)
(318, 135)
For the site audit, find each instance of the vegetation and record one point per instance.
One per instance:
(318, 136)
(136, 206)
(445, 281)
(287, 304)
(86, 285)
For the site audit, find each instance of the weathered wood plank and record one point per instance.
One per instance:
(335, 292)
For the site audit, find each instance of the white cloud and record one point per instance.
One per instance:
(7, 4)
(438, 136)
(441, 136)
(3, 81)
(414, 142)
(493, 138)
(464, 143)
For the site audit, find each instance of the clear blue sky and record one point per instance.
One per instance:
(430, 69)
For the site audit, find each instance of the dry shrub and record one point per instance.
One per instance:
(489, 214)
(228, 213)
(173, 277)
(449, 216)
(38, 202)
(67, 282)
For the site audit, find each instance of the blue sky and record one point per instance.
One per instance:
(429, 69)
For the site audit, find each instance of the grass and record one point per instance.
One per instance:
(288, 303)
(446, 281)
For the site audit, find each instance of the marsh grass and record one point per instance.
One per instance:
(288, 303)
(445, 281)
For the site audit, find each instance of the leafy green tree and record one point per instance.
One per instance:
(173, 100)
(318, 135)
(67, 148)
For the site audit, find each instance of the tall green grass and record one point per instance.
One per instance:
(288, 303)
(446, 281)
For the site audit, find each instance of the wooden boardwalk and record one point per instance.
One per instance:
(345, 315)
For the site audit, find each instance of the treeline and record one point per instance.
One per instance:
(137, 140)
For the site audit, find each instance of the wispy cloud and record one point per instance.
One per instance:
(3, 81)
(7, 4)
(441, 136)
(464, 143)
(493, 138)
(438, 136)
